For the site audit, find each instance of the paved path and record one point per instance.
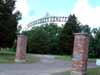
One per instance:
(39, 68)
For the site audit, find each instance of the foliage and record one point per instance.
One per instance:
(92, 41)
(96, 42)
(8, 22)
(7, 49)
(66, 38)
(43, 39)
(53, 31)
(38, 41)
(64, 57)
(85, 29)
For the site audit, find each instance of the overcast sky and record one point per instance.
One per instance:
(87, 11)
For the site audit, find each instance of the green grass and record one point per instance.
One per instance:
(92, 60)
(9, 57)
(64, 57)
(69, 58)
(94, 71)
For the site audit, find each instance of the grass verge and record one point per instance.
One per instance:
(64, 57)
(7, 57)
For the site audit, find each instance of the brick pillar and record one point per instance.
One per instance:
(80, 54)
(21, 48)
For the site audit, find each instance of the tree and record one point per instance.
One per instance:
(94, 40)
(8, 22)
(47, 35)
(53, 31)
(97, 42)
(87, 29)
(38, 41)
(66, 36)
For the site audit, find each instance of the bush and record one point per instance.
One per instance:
(7, 49)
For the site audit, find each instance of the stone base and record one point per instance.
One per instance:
(20, 61)
(77, 73)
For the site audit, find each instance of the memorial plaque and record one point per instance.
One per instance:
(77, 57)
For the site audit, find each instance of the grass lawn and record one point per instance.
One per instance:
(63, 57)
(92, 60)
(69, 58)
(94, 71)
(9, 57)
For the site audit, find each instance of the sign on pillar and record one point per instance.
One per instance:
(21, 48)
(80, 54)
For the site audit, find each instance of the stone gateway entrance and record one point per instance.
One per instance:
(80, 52)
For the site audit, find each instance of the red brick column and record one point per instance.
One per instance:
(80, 54)
(21, 48)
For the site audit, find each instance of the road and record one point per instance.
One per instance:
(40, 68)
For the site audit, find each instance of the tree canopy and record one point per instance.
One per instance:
(8, 22)
(66, 36)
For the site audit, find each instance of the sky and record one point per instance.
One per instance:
(87, 11)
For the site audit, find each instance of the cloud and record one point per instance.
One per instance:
(23, 7)
(86, 13)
